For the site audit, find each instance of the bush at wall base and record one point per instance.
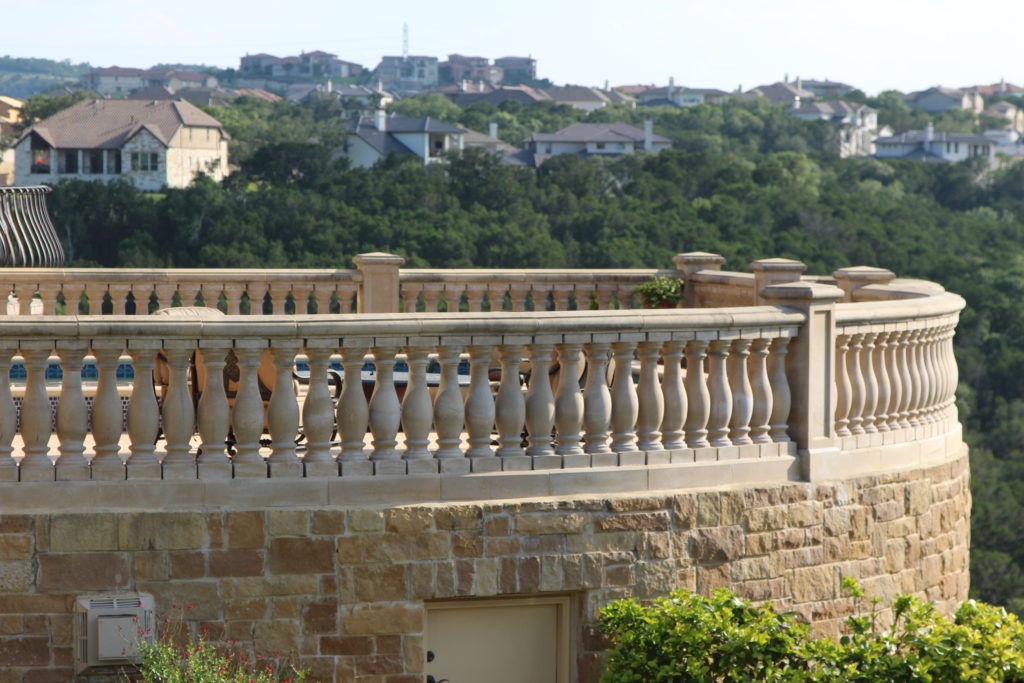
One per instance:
(687, 637)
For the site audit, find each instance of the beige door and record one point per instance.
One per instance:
(517, 640)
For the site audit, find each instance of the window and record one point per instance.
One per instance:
(94, 161)
(145, 161)
(40, 160)
(600, 145)
(68, 159)
(113, 161)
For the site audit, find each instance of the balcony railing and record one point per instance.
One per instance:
(811, 375)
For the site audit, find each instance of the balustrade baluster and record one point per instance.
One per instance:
(934, 376)
(107, 414)
(597, 399)
(25, 293)
(540, 402)
(48, 297)
(283, 415)
(36, 416)
(843, 387)
(674, 395)
(417, 410)
(72, 296)
(721, 395)
(449, 412)
(509, 404)
(278, 298)
(781, 396)
(475, 298)
(884, 387)
(432, 298)
(905, 357)
(300, 295)
(164, 295)
(922, 386)
(143, 411)
(519, 293)
(853, 367)
(95, 294)
(742, 393)
(188, 292)
(761, 390)
(496, 297)
(247, 415)
(345, 296)
(697, 395)
(952, 372)
(867, 369)
(8, 413)
(479, 404)
(385, 410)
(233, 297)
(119, 300)
(560, 296)
(650, 399)
(211, 295)
(892, 370)
(317, 409)
(72, 411)
(177, 410)
(604, 296)
(353, 413)
(410, 293)
(323, 293)
(214, 416)
(569, 400)
(625, 403)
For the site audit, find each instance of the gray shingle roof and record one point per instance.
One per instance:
(108, 124)
(597, 132)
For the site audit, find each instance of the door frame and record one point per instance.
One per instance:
(565, 619)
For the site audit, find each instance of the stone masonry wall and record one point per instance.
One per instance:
(344, 589)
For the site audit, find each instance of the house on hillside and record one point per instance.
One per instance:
(938, 99)
(595, 139)
(115, 79)
(523, 94)
(579, 97)
(1011, 115)
(307, 65)
(10, 113)
(826, 88)
(374, 137)
(1000, 88)
(782, 92)
(509, 155)
(674, 95)
(517, 68)
(856, 125)
(461, 67)
(927, 145)
(149, 143)
(407, 73)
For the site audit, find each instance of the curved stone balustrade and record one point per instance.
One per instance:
(27, 237)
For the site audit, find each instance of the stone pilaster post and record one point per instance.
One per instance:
(690, 263)
(772, 271)
(852, 279)
(378, 292)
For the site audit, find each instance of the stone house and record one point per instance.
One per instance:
(374, 137)
(152, 144)
(938, 99)
(460, 68)
(595, 139)
(517, 68)
(782, 92)
(856, 125)
(407, 72)
(927, 145)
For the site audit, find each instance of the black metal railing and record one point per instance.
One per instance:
(27, 236)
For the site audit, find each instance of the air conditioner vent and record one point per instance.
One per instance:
(109, 628)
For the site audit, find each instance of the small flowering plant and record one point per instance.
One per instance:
(177, 655)
(662, 291)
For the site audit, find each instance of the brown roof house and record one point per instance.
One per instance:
(150, 143)
(595, 139)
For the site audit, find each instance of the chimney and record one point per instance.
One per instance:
(796, 101)
(671, 86)
(1002, 84)
(648, 135)
(929, 133)
(492, 129)
(785, 78)
(380, 118)
(799, 83)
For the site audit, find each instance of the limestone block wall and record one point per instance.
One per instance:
(345, 590)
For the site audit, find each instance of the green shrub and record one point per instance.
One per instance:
(660, 291)
(687, 637)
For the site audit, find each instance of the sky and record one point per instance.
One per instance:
(874, 45)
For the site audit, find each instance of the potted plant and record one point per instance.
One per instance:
(662, 291)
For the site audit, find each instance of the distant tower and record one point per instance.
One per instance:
(405, 41)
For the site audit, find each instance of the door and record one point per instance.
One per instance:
(515, 640)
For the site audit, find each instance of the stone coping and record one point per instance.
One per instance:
(919, 304)
(363, 485)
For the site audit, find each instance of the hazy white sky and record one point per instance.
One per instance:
(871, 44)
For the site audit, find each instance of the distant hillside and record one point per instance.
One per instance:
(22, 77)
